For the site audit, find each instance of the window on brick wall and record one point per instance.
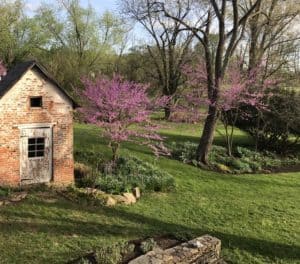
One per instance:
(36, 101)
(36, 147)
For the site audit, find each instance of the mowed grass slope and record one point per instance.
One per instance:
(257, 217)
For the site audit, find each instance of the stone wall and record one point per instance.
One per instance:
(202, 250)
(15, 110)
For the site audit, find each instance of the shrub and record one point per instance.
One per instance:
(112, 254)
(85, 176)
(132, 172)
(278, 128)
(120, 176)
(4, 192)
(112, 184)
(185, 152)
(148, 245)
(244, 160)
(90, 158)
(239, 165)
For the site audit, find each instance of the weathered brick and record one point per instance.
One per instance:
(15, 110)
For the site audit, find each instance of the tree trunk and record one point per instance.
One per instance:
(207, 135)
(115, 151)
(167, 112)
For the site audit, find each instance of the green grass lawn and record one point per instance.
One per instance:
(257, 217)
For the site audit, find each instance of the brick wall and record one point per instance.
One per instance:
(15, 110)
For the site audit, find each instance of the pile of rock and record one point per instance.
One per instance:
(13, 198)
(205, 249)
(112, 199)
(125, 198)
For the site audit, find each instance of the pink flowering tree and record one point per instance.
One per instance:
(242, 90)
(186, 107)
(122, 110)
(238, 89)
(188, 104)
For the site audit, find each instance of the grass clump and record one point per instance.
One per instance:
(148, 245)
(111, 254)
(4, 192)
(84, 197)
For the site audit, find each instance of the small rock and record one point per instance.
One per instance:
(195, 244)
(120, 199)
(130, 198)
(223, 168)
(1, 203)
(111, 201)
(91, 190)
(137, 192)
(17, 197)
(266, 171)
(99, 192)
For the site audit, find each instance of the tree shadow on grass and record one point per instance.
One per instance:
(124, 223)
(254, 180)
(219, 139)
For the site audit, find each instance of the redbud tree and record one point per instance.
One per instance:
(122, 110)
(238, 89)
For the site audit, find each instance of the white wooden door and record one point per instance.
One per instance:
(36, 155)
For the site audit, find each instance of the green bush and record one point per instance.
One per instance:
(85, 176)
(90, 158)
(132, 172)
(185, 152)
(126, 174)
(112, 184)
(148, 245)
(278, 127)
(4, 192)
(244, 160)
(113, 254)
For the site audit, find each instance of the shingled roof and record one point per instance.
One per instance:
(16, 73)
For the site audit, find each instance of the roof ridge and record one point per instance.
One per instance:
(16, 73)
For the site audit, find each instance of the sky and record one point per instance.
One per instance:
(99, 5)
(137, 34)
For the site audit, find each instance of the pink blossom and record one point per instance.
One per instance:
(121, 108)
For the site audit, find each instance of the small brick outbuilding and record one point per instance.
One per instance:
(36, 128)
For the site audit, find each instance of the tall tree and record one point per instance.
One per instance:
(80, 40)
(20, 35)
(271, 34)
(170, 44)
(230, 20)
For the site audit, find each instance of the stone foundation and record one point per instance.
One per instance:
(202, 250)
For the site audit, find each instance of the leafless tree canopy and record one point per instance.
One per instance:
(228, 20)
(170, 42)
